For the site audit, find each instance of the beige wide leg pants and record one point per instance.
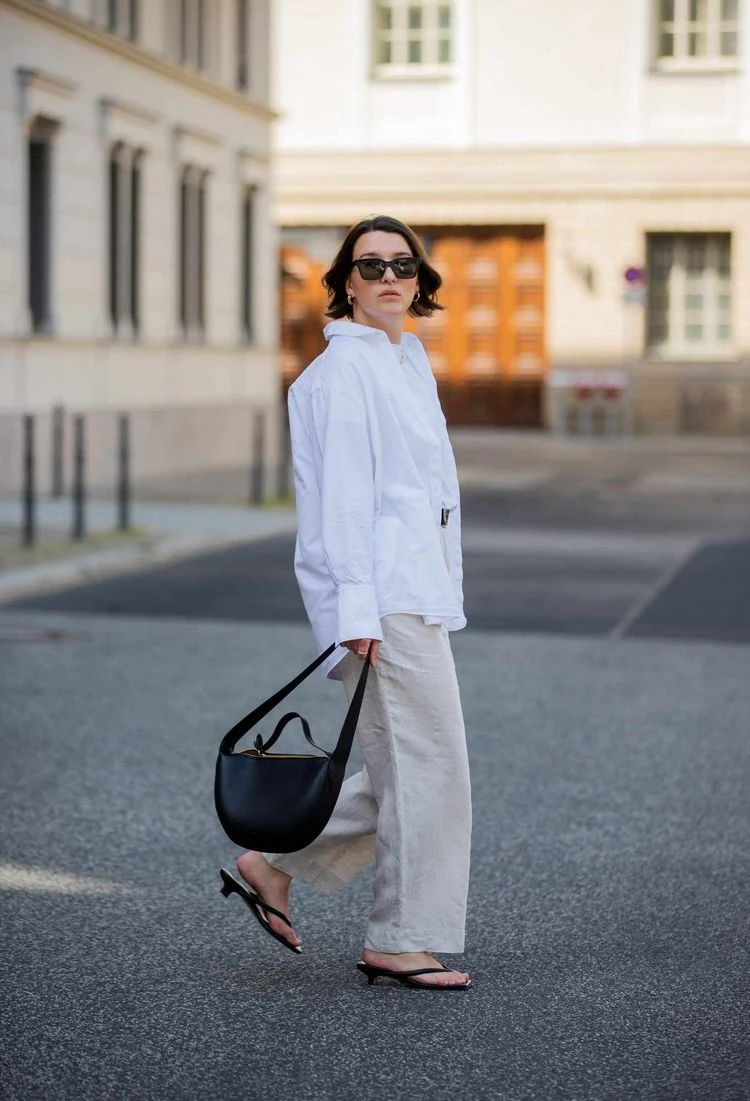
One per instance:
(410, 807)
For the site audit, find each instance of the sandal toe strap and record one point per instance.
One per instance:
(420, 971)
(268, 909)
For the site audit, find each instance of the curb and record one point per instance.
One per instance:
(48, 576)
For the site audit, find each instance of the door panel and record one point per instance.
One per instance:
(487, 347)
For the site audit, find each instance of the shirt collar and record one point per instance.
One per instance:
(353, 329)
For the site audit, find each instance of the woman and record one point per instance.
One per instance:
(378, 562)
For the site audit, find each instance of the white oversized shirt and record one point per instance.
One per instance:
(373, 468)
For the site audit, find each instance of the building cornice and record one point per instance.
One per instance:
(318, 186)
(133, 111)
(125, 122)
(46, 82)
(43, 95)
(196, 148)
(93, 35)
(252, 168)
(193, 133)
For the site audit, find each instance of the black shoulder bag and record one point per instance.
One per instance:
(276, 802)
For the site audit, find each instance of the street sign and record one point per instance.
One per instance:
(635, 277)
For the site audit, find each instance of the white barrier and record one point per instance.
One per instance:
(590, 403)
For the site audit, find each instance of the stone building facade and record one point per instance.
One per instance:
(139, 257)
(581, 172)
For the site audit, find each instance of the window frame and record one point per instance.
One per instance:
(249, 225)
(192, 240)
(136, 238)
(676, 346)
(400, 35)
(124, 240)
(244, 30)
(192, 35)
(40, 246)
(681, 61)
(122, 18)
(113, 237)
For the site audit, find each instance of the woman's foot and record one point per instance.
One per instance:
(412, 961)
(273, 887)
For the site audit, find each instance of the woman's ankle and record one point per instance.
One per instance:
(394, 955)
(259, 864)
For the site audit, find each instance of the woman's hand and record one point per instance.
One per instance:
(360, 646)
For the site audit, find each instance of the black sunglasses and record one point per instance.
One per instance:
(403, 267)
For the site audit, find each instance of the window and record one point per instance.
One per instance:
(193, 182)
(247, 281)
(412, 39)
(689, 293)
(242, 74)
(124, 239)
(135, 241)
(192, 33)
(122, 18)
(697, 33)
(39, 229)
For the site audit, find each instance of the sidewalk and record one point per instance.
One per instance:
(642, 467)
(710, 478)
(163, 532)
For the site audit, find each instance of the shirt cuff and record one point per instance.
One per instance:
(358, 613)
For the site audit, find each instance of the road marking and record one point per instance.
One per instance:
(576, 544)
(13, 877)
(621, 628)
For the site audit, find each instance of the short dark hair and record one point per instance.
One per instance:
(334, 280)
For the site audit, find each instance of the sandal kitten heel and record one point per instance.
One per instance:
(409, 978)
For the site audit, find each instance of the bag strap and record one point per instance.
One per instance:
(241, 728)
(343, 748)
(280, 726)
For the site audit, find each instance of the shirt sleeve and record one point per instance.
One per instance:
(345, 465)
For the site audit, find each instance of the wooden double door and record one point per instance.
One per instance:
(487, 347)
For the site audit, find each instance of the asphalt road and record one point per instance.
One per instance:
(608, 918)
(576, 570)
(606, 690)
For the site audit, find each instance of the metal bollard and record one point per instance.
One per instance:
(123, 472)
(256, 466)
(28, 495)
(58, 452)
(79, 480)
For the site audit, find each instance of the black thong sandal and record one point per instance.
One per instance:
(408, 978)
(258, 907)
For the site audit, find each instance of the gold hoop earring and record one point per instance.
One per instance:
(351, 299)
(416, 297)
